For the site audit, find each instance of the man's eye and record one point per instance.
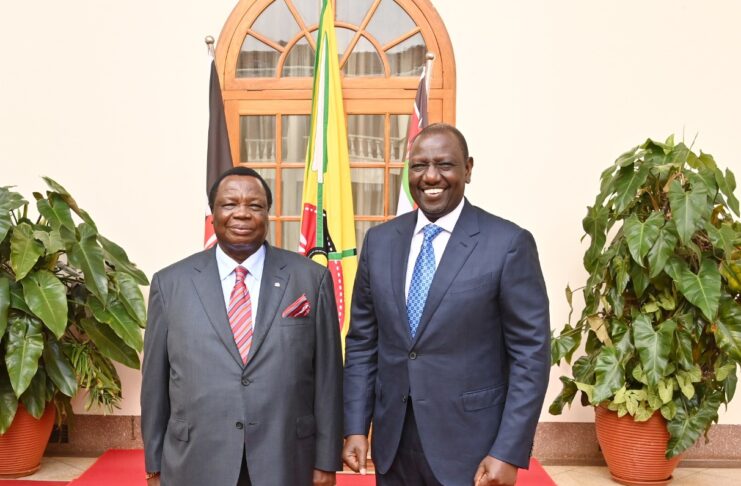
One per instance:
(256, 207)
(418, 167)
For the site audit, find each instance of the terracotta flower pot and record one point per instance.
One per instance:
(22, 446)
(635, 451)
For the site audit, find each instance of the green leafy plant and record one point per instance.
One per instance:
(661, 313)
(70, 305)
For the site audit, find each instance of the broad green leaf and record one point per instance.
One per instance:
(639, 277)
(46, 296)
(630, 157)
(666, 390)
(51, 240)
(722, 372)
(599, 327)
(587, 389)
(685, 384)
(17, 300)
(4, 304)
(34, 398)
(564, 345)
(565, 397)
(88, 256)
(67, 198)
(731, 271)
(662, 249)
(23, 350)
(8, 401)
(583, 369)
(704, 181)
(58, 216)
(24, 250)
(115, 315)
(624, 347)
(5, 224)
(621, 273)
(642, 413)
(642, 236)
(10, 200)
(666, 301)
(669, 411)
(610, 376)
(730, 385)
(688, 210)
(725, 237)
(686, 429)
(109, 344)
(59, 368)
(727, 185)
(55, 186)
(701, 289)
(116, 256)
(727, 328)
(620, 396)
(627, 183)
(131, 297)
(653, 347)
(683, 349)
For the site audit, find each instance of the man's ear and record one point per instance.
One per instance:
(469, 168)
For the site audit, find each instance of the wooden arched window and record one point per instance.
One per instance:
(265, 57)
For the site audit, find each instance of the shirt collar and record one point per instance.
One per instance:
(446, 222)
(253, 264)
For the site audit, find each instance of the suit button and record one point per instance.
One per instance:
(240, 425)
(404, 399)
(245, 381)
(412, 355)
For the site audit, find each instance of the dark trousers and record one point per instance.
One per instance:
(244, 476)
(410, 466)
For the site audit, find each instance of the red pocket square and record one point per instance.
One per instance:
(300, 308)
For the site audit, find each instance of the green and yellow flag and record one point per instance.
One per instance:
(327, 219)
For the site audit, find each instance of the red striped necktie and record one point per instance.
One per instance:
(240, 314)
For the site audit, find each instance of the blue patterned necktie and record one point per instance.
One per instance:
(424, 270)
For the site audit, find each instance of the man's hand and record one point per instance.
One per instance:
(323, 478)
(155, 481)
(355, 452)
(493, 472)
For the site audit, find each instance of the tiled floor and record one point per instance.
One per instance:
(68, 468)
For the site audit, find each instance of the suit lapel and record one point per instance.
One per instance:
(460, 245)
(399, 258)
(272, 287)
(208, 287)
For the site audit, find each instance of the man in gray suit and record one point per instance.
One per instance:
(448, 347)
(242, 363)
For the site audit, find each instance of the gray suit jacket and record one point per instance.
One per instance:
(477, 369)
(201, 407)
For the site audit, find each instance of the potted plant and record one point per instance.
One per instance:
(661, 304)
(70, 305)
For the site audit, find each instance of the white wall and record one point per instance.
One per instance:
(110, 98)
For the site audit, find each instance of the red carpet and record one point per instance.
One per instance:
(126, 468)
(25, 482)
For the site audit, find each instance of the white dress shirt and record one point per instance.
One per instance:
(447, 223)
(228, 276)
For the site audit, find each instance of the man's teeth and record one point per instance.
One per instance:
(433, 192)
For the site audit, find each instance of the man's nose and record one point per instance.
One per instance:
(243, 211)
(431, 173)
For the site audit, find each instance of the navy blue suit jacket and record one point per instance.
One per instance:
(477, 369)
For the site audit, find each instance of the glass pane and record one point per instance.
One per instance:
(399, 129)
(343, 37)
(408, 57)
(291, 231)
(367, 191)
(353, 11)
(296, 130)
(309, 10)
(365, 138)
(276, 23)
(271, 232)
(292, 187)
(300, 61)
(389, 22)
(269, 176)
(394, 186)
(360, 228)
(257, 138)
(364, 60)
(256, 60)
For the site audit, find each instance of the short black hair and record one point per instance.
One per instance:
(238, 171)
(445, 128)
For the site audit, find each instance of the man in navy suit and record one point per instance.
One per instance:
(448, 348)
